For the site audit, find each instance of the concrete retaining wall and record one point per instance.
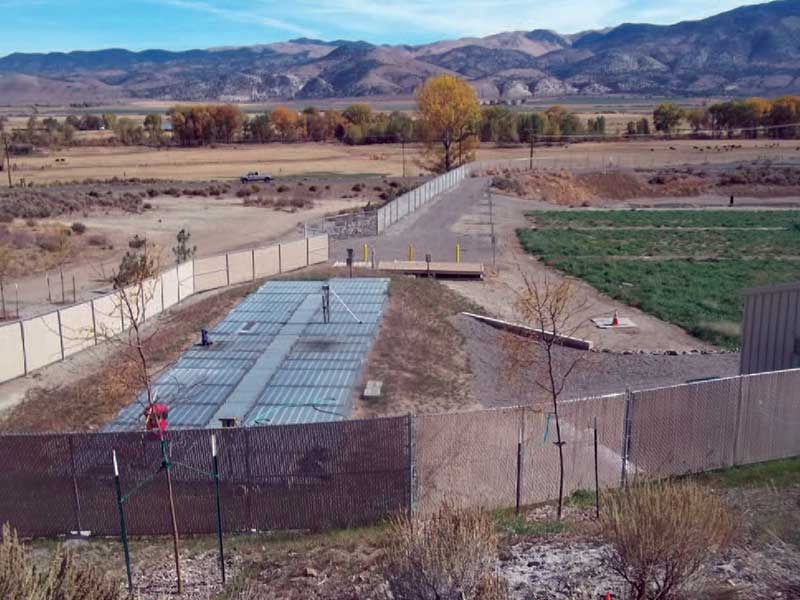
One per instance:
(107, 316)
(151, 297)
(185, 280)
(48, 338)
(42, 340)
(169, 283)
(240, 267)
(210, 273)
(77, 328)
(267, 261)
(318, 250)
(294, 255)
(13, 362)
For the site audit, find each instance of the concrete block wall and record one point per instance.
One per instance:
(42, 340)
(267, 261)
(12, 364)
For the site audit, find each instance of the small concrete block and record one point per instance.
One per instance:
(373, 390)
(606, 323)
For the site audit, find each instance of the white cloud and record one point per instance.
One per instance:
(242, 16)
(409, 21)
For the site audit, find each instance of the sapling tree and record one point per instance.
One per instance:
(549, 306)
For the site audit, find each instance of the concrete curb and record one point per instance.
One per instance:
(562, 340)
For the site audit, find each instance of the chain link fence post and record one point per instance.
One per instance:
(626, 437)
(410, 475)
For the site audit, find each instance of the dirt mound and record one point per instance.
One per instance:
(569, 189)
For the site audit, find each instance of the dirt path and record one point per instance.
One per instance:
(464, 216)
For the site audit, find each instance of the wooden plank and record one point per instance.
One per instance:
(418, 267)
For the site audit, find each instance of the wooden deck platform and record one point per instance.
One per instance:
(437, 269)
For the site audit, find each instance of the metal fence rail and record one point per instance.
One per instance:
(352, 472)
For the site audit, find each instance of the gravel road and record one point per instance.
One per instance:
(496, 384)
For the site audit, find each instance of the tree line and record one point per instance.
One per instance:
(749, 118)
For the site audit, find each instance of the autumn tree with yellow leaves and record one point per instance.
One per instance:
(450, 116)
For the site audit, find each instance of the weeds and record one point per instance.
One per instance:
(449, 555)
(661, 534)
(508, 522)
(64, 579)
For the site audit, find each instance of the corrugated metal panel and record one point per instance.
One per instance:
(273, 359)
(771, 328)
(305, 364)
(315, 378)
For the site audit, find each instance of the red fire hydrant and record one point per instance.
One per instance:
(155, 417)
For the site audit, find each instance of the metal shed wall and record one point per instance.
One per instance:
(771, 328)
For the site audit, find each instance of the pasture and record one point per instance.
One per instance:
(686, 267)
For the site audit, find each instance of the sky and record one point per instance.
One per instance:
(63, 25)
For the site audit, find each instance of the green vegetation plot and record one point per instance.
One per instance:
(690, 277)
(667, 218)
(722, 243)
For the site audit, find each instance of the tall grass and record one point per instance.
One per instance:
(449, 555)
(64, 579)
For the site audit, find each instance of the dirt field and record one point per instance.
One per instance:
(772, 183)
(220, 218)
(230, 162)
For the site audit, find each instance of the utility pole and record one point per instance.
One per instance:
(8, 159)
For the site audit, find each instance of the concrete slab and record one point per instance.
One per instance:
(608, 323)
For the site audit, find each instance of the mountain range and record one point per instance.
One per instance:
(752, 50)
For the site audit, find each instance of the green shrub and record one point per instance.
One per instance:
(78, 227)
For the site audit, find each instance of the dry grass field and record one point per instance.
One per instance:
(230, 162)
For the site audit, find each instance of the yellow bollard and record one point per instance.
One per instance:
(410, 252)
(366, 253)
(458, 252)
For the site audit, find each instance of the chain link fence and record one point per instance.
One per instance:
(345, 473)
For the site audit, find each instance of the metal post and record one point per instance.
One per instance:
(626, 439)
(61, 271)
(350, 261)
(410, 474)
(738, 423)
(596, 476)
(49, 292)
(166, 465)
(519, 469)
(215, 473)
(3, 298)
(75, 495)
(491, 224)
(74, 291)
(122, 528)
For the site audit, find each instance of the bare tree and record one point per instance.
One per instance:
(549, 307)
(134, 283)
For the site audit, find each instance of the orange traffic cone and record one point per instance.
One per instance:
(615, 320)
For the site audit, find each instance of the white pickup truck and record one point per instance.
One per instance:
(254, 176)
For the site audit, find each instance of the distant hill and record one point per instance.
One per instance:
(752, 50)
